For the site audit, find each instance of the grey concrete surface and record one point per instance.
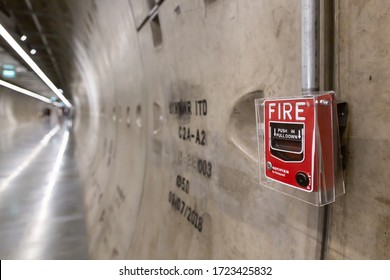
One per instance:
(360, 227)
(214, 52)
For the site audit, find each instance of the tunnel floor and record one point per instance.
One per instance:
(41, 206)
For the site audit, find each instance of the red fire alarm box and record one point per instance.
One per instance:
(299, 147)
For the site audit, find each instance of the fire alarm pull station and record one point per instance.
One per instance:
(299, 150)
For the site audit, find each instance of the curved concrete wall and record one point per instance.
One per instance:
(167, 111)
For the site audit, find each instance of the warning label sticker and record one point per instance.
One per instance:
(287, 137)
(287, 131)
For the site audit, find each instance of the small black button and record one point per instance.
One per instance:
(302, 179)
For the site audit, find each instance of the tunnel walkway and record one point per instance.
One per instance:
(41, 206)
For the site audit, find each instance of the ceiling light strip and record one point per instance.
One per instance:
(25, 91)
(10, 40)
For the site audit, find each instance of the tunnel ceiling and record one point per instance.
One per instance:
(48, 26)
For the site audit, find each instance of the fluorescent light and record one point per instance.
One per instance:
(32, 64)
(33, 51)
(25, 91)
(23, 38)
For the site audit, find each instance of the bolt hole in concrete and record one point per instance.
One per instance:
(242, 124)
(128, 116)
(119, 114)
(209, 2)
(138, 117)
(114, 114)
(157, 118)
(156, 31)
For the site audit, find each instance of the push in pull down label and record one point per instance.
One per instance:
(287, 141)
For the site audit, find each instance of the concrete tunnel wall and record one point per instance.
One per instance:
(212, 52)
(225, 54)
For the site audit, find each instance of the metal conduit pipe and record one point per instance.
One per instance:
(311, 67)
(310, 45)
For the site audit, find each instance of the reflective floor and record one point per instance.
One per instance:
(41, 207)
